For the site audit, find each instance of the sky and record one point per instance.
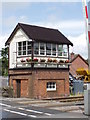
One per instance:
(66, 16)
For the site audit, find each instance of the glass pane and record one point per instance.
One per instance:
(42, 48)
(24, 47)
(65, 50)
(29, 48)
(60, 50)
(36, 48)
(29, 52)
(24, 52)
(19, 53)
(19, 48)
(48, 49)
(53, 49)
(29, 43)
(24, 43)
(19, 44)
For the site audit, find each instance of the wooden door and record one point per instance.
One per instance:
(18, 88)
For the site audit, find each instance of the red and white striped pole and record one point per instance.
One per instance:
(87, 28)
(86, 19)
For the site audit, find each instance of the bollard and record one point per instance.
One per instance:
(87, 102)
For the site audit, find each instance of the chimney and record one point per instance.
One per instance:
(72, 56)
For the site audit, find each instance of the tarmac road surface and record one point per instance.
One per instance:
(12, 109)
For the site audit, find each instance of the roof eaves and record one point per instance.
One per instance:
(78, 55)
(69, 42)
(20, 24)
(11, 36)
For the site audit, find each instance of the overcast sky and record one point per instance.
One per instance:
(68, 17)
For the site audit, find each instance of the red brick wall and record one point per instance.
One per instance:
(42, 77)
(34, 85)
(77, 63)
(60, 90)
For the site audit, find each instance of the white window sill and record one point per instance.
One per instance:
(51, 90)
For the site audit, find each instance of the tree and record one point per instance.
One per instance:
(4, 59)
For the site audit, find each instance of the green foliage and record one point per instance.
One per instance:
(4, 62)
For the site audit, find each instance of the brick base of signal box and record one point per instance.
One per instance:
(33, 83)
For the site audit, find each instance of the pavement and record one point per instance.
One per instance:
(57, 109)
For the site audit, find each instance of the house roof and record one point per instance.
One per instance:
(78, 55)
(40, 34)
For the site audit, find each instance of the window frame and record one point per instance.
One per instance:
(49, 86)
(49, 50)
(64, 48)
(27, 48)
(62, 51)
(44, 49)
(36, 50)
(53, 50)
(22, 50)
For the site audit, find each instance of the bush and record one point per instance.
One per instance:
(7, 91)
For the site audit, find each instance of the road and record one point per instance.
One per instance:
(12, 109)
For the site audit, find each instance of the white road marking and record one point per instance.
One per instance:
(15, 112)
(21, 108)
(5, 105)
(48, 114)
(32, 116)
(28, 110)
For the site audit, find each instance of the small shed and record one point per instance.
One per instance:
(78, 87)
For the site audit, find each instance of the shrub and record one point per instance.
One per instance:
(67, 61)
(35, 60)
(28, 59)
(22, 60)
(54, 60)
(61, 61)
(49, 60)
(42, 60)
(7, 91)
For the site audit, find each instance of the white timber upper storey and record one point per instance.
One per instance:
(22, 53)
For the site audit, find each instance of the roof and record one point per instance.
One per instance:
(78, 55)
(40, 34)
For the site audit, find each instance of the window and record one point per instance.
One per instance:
(54, 49)
(60, 49)
(36, 48)
(19, 48)
(24, 48)
(29, 48)
(42, 48)
(48, 49)
(51, 86)
(65, 50)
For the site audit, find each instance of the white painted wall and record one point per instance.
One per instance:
(19, 37)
